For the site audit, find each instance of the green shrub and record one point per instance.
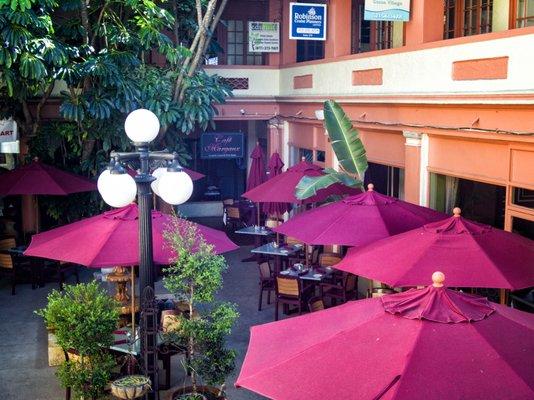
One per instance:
(83, 318)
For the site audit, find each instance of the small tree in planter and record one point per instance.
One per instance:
(83, 318)
(194, 277)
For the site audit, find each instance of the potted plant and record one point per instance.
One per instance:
(84, 317)
(194, 277)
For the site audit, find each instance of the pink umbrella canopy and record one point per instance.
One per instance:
(281, 188)
(471, 254)
(358, 220)
(275, 168)
(257, 174)
(37, 178)
(111, 239)
(428, 344)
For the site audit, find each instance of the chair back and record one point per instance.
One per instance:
(316, 304)
(379, 292)
(290, 241)
(329, 259)
(5, 258)
(228, 202)
(313, 254)
(265, 270)
(350, 282)
(272, 223)
(233, 212)
(287, 286)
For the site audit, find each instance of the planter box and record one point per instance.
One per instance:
(55, 353)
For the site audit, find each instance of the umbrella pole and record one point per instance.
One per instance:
(502, 296)
(258, 212)
(36, 206)
(133, 301)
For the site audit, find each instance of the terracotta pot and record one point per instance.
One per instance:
(208, 392)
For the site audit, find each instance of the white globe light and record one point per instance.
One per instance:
(141, 126)
(101, 182)
(158, 173)
(175, 187)
(118, 190)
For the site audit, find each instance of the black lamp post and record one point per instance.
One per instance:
(119, 189)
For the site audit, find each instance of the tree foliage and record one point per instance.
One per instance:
(102, 59)
(194, 277)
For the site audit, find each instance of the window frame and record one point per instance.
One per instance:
(376, 29)
(459, 19)
(514, 9)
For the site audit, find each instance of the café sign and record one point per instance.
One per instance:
(263, 37)
(8, 130)
(217, 145)
(307, 21)
(387, 10)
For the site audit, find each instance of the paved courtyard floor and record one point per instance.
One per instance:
(24, 370)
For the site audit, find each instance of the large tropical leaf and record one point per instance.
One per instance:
(345, 140)
(310, 185)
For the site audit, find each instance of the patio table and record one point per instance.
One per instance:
(278, 252)
(311, 275)
(259, 233)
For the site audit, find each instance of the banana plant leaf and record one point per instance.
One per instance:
(310, 185)
(345, 140)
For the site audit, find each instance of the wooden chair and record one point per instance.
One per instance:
(233, 216)
(299, 257)
(343, 291)
(62, 269)
(291, 291)
(266, 282)
(313, 254)
(228, 202)
(379, 292)
(316, 304)
(328, 259)
(273, 222)
(13, 265)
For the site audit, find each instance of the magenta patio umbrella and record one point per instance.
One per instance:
(37, 178)
(111, 239)
(358, 220)
(281, 188)
(469, 253)
(424, 344)
(275, 168)
(257, 174)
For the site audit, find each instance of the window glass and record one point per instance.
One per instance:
(525, 13)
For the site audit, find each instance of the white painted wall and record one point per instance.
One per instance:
(422, 72)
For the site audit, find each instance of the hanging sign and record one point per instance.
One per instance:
(8, 130)
(307, 21)
(222, 145)
(263, 37)
(387, 10)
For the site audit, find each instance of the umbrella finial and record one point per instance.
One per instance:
(370, 187)
(438, 278)
(457, 211)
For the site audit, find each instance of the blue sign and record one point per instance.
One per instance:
(307, 21)
(222, 145)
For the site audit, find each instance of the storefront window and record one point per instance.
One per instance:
(467, 17)
(306, 154)
(235, 43)
(481, 202)
(386, 179)
(369, 35)
(523, 227)
(320, 156)
(523, 197)
(524, 13)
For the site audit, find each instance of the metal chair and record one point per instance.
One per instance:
(266, 282)
(13, 265)
(343, 291)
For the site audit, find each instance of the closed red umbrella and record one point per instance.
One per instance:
(425, 344)
(257, 174)
(358, 220)
(471, 254)
(275, 168)
(37, 178)
(111, 239)
(281, 188)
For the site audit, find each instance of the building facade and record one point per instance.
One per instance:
(444, 102)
